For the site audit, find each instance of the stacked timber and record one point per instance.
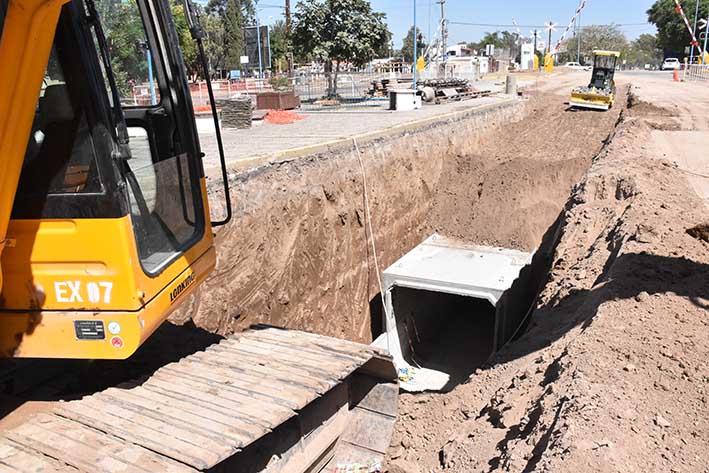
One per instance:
(236, 112)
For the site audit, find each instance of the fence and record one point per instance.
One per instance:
(697, 72)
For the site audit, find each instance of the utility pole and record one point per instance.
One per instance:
(289, 55)
(549, 43)
(535, 42)
(578, 39)
(444, 27)
(416, 40)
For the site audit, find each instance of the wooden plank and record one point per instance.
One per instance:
(315, 341)
(243, 351)
(198, 423)
(227, 376)
(87, 449)
(262, 368)
(205, 441)
(18, 458)
(226, 395)
(312, 345)
(323, 367)
(159, 439)
(321, 341)
(248, 426)
(219, 378)
(320, 357)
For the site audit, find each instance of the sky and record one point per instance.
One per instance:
(500, 12)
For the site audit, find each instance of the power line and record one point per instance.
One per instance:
(492, 25)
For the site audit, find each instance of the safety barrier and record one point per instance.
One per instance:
(697, 72)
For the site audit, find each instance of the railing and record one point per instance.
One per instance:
(697, 72)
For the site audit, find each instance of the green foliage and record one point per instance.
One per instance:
(279, 82)
(339, 30)
(644, 50)
(500, 39)
(606, 37)
(125, 36)
(672, 34)
(187, 44)
(234, 14)
(407, 50)
(279, 44)
(214, 42)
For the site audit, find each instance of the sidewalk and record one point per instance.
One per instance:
(266, 142)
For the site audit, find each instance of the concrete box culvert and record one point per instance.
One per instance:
(444, 312)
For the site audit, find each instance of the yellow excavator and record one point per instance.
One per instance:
(105, 229)
(600, 92)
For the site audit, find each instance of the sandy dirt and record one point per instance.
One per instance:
(612, 373)
(509, 192)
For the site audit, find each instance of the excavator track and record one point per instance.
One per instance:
(267, 399)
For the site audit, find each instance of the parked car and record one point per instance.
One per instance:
(671, 64)
(574, 65)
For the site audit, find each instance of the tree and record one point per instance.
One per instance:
(607, 37)
(644, 50)
(279, 44)
(125, 36)
(672, 34)
(337, 31)
(499, 39)
(407, 49)
(215, 41)
(234, 14)
(187, 44)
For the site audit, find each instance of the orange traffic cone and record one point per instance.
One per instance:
(675, 75)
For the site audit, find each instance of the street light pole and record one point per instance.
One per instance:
(415, 49)
(258, 45)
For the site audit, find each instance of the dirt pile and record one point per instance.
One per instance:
(612, 374)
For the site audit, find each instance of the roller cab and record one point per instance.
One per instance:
(109, 227)
(600, 93)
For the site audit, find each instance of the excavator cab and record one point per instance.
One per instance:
(104, 221)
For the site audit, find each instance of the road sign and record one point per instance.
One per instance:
(702, 23)
(703, 35)
(550, 26)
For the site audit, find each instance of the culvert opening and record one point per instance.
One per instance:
(443, 332)
(448, 306)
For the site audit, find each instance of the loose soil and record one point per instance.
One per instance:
(512, 189)
(612, 373)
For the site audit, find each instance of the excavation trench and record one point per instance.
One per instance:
(298, 253)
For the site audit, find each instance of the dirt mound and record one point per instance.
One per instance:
(612, 374)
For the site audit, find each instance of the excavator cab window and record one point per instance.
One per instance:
(3, 9)
(161, 175)
(110, 135)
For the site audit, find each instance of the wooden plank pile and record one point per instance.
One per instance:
(236, 112)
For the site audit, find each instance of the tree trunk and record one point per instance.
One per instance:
(328, 75)
(337, 71)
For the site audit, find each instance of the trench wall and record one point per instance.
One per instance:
(296, 253)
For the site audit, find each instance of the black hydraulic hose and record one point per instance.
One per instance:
(197, 33)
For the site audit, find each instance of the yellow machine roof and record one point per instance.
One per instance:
(606, 53)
